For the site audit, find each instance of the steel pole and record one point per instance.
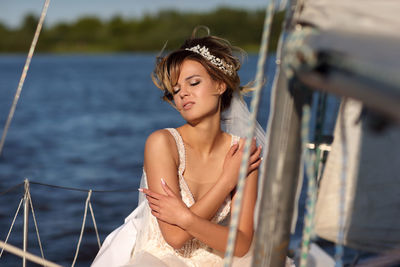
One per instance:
(26, 221)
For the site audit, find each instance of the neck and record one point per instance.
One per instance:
(204, 136)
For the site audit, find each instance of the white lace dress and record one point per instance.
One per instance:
(151, 248)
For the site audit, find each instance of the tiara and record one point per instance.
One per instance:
(219, 63)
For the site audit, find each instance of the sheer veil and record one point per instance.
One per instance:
(235, 120)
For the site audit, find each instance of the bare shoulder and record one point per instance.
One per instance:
(160, 143)
(161, 160)
(159, 137)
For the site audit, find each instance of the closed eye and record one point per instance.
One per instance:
(176, 90)
(194, 83)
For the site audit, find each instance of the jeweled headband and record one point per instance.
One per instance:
(218, 62)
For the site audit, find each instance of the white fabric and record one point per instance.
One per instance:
(235, 120)
(193, 253)
(132, 238)
(116, 249)
(377, 17)
(371, 186)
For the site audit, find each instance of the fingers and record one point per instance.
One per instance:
(253, 146)
(154, 207)
(233, 149)
(254, 165)
(255, 155)
(150, 193)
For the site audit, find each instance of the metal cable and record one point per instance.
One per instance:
(85, 190)
(11, 189)
(12, 224)
(23, 75)
(36, 226)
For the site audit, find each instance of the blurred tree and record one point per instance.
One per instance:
(89, 34)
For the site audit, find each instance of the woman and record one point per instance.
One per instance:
(190, 173)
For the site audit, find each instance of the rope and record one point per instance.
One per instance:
(308, 158)
(12, 225)
(250, 133)
(95, 225)
(297, 52)
(27, 255)
(36, 226)
(88, 204)
(82, 228)
(321, 111)
(24, 73)
(339, 250)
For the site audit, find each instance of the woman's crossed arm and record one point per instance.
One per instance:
(176, 230)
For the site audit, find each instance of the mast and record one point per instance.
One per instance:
(282, 169)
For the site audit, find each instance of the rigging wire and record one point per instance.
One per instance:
(250, 133)
(85, 190)
(82, 228)
(12, 225)
(35, 222)
(11, 188)
(24, 73)
(309, 159)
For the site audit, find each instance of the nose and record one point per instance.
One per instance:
(184, 92)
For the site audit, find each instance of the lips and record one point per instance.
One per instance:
(188, 105)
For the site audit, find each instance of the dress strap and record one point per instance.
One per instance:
(181, 149)
(235, 139)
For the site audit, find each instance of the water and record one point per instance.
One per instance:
(81, 122)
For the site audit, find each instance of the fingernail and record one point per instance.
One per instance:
(162, 181)
(140, 190)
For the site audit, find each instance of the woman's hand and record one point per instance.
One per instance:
(168, 208)
(233, 160)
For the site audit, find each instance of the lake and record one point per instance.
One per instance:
(81, 122)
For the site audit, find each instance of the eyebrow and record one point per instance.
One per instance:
(190, 77)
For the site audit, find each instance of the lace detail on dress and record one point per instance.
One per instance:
(187, 196)
(193, 252)
(181, 149)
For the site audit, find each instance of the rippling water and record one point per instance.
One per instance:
(81, 122)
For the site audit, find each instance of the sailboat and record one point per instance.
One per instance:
(348, 49)
(333, 47)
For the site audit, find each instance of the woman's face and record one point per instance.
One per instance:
(196, 95)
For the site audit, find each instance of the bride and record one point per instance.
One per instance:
(190, 173)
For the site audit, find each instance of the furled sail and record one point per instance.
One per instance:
(350, 48)
(372, 17)
(370, 187)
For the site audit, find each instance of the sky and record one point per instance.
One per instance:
(13, 11)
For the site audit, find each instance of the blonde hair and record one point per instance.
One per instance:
(166, 73)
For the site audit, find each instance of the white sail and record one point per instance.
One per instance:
(358, 16)
(372, 185)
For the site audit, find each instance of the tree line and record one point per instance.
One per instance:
(90, 34)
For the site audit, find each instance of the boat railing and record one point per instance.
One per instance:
(26, 204)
